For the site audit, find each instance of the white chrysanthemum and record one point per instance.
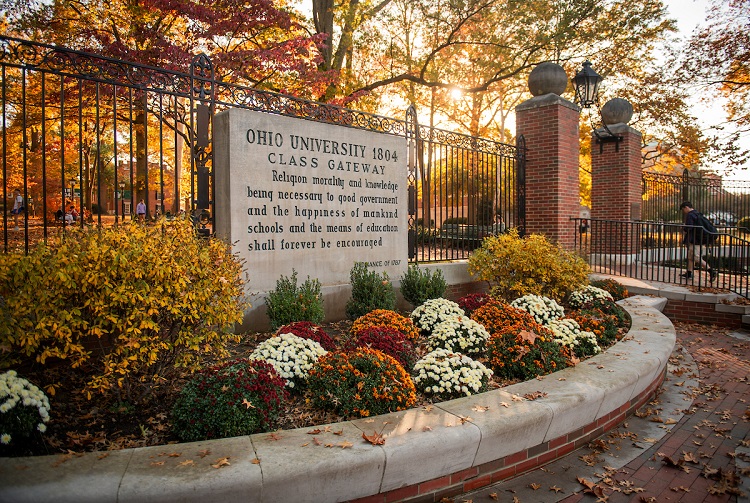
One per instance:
(567, 332)
(443, 371)
(433, 312)
(542, 309)
(459, 333)
(16, 391)
(588, 294)
(292, 356)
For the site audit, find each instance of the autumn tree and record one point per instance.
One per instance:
(250, 43)
(717, 59)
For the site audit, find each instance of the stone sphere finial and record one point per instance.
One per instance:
(616, 111)
(547, 78)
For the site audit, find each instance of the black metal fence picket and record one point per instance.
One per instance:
(84, 133)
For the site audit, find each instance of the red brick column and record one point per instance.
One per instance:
(616, 189)
(549, 124)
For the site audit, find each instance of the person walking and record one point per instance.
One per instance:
(17, 207)
(694, 241)
(140, 211)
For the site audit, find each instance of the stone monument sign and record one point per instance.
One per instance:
(314, 197)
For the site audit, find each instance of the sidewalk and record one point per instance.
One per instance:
(690, 444)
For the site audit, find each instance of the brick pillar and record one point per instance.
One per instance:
(616, 190)
(549, 124)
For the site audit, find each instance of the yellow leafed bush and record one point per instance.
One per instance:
(132, 303)
(516, 266)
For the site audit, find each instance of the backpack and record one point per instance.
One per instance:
(709, 231)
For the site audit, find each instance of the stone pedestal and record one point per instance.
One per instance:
(616, 192)
(549, 124)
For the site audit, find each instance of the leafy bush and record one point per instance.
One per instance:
(291, 356)
(568, 333)
(611, 308)
(388, 340)
(362, 383)
(587, 294)
(455, 220)
(289, 303)
(237, 398)
(309, 330)
(603, 326)
(524, 352)
(615, 289)
(386, 318)
(472, 302)
(542, 309)
(460, 334)
(150, 299)
(24, 409)
(448, 375)
(496, 315)
(434, 311)
(419, 285)
(517, 266)
(370, 291)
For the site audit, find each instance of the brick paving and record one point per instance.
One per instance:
(689, 445)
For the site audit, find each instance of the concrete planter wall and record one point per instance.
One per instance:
(442, 450)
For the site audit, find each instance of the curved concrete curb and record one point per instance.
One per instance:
(452, 447)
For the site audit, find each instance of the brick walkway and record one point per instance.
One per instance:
(688, 445)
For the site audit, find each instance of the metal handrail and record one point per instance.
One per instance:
(656, 251)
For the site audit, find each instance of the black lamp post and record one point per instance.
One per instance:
(586, 84)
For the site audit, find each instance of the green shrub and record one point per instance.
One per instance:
(516, 266)
(289, 302)
(419, 285)
(603, 326)
(238, 398)
(615, 289)
(370, 291)
(362, 383)
(611, 308)
(524, 351)
(455, 220)
(133, 303)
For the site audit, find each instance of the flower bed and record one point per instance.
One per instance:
(500, 357)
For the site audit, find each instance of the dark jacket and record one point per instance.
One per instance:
(693, 235)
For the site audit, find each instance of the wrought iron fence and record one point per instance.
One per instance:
(724, 202)
(654, 251)
(87, 134)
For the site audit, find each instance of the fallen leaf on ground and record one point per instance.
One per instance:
(375, 439)
(221, 462)
(534, 486)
